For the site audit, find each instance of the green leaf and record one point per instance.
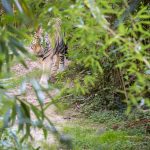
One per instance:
(7, 6)
(7, 119)
(20, 117)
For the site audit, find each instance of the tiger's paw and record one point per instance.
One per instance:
(44, 84)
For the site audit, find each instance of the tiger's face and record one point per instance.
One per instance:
(36, 45)
(36, 48)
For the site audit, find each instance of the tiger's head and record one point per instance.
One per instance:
(36, 43)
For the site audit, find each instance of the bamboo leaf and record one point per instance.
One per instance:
(7, 6)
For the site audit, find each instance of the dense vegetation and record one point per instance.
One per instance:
(110, 53)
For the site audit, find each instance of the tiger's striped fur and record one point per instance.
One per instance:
(53, 57)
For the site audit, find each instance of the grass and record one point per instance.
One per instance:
(83, 137)
(88, 134)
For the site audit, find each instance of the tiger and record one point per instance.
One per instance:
(52, 57)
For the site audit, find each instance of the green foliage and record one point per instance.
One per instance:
(108, 44)
(10, 140)
(15, 17)
(103, 116)
(136, 123)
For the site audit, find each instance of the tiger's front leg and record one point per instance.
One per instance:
(55, 66)
(47, 63)
(61, 63)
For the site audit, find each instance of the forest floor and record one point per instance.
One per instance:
(58, 118)
(87, 133)
(20, 72)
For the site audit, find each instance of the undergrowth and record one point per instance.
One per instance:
(106, 128)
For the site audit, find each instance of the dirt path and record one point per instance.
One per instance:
(58, 119)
